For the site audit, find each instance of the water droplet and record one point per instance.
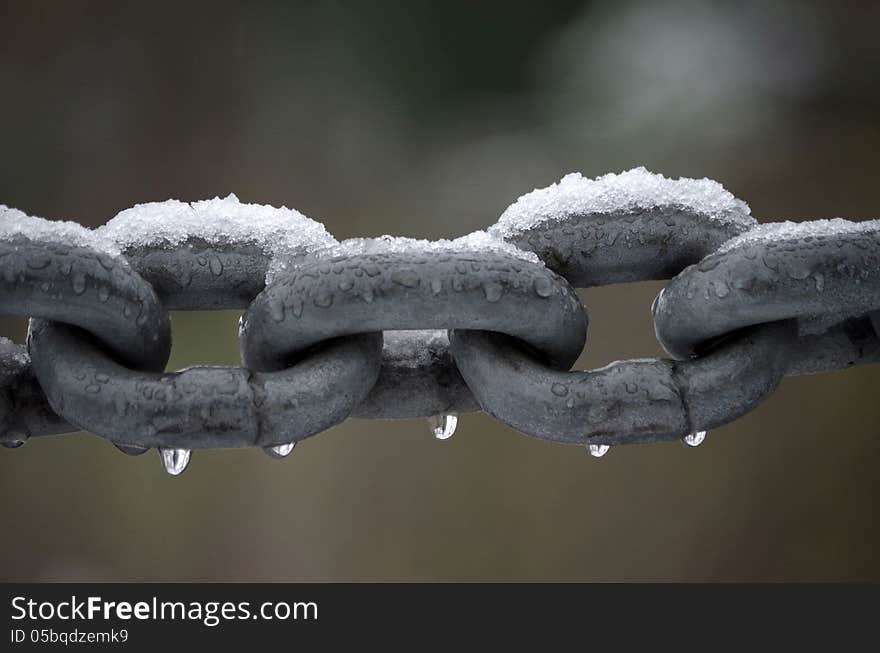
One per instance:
(175, 461)
(346, 284)
(79, 283)
(543, 287)
(276, 310)
(324, 299)
(406, 278)
(216, 266)
(280, 450)
(493, 291)
(103, 294)
(770, 263)
(722, 290)
(819, 278)
(598, 450)
(436, 286)
(45, 286)
(131, 449)
(694, 439)
(443, 426)
(559, 389)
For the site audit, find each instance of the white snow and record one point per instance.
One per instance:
(780, 231)
(276, 231)
(474, 243)
(15, 223)
(632, 191)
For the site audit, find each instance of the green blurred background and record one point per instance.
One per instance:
(427, 119)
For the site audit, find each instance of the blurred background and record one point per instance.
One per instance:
(427, 119)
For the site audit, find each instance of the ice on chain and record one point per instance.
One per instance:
(276, 231)
(14, 223)
(632, 191)
(781, 231)
(476, 243)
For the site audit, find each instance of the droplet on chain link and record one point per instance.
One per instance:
(443, 426)
(79, 283)
(694, 439)
(543, 287)
(175, 461)
(216, 266)
(280, 450)
(276, 310)
(598, 450)
(493, 291)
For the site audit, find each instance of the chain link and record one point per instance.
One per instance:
(373, 330)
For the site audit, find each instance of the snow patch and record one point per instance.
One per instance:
(15, 223)
(780, 231)
(633, 191)
(275, 231)
(477, 242)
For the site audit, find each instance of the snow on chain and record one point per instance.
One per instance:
(787, 231)
(632, 191)
(15, 223)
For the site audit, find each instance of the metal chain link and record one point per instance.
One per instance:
(428, 331)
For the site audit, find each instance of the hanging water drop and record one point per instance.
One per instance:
(280, 450)
(598, 450)
(175, 461)
(443, 426)
(694, 439)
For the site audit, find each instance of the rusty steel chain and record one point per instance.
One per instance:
(392, 328)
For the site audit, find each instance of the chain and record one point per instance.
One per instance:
(396, 328)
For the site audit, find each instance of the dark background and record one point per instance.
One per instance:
(427, 119)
